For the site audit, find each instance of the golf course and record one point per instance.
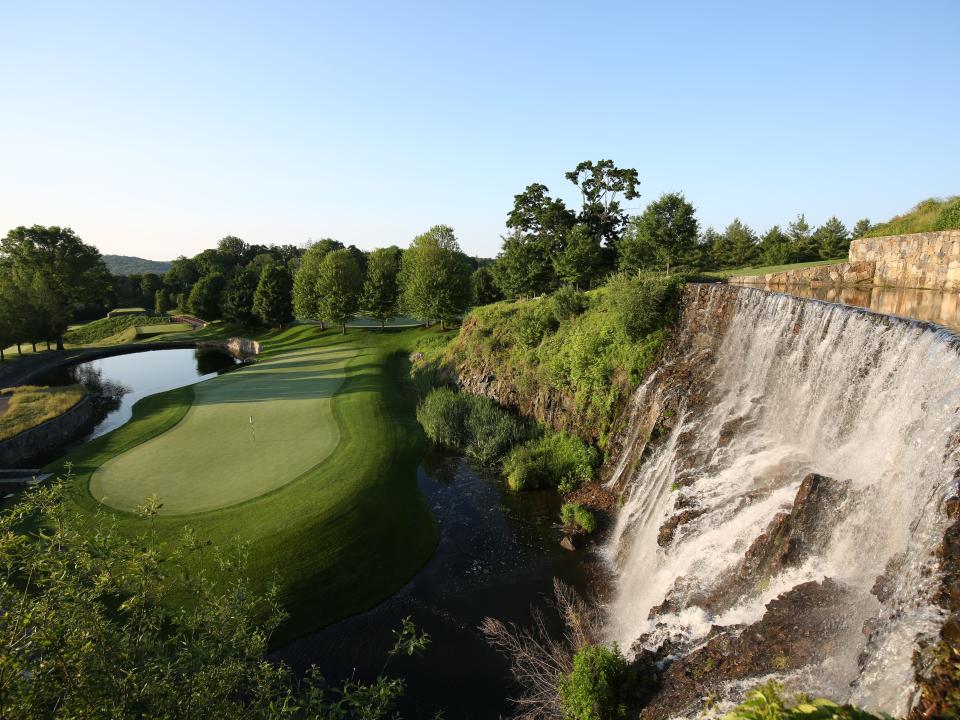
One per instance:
(307, 458)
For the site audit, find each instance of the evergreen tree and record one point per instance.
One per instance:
(483, 290)
(381, 289)
(802, 245)
(833, 239)
(204, 299)
(774, 247)
(581, 258)
(861, 228)
(161, 301)
(435, 277)
(149, 284)
(339, 284)
(272, 301)
(664, 236)
(741, 244)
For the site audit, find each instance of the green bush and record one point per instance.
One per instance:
(473, 424)
(554, 460)
(443, 414)
(644, 303)
(567, 303)
(767, 703)
(574, 514)
(598, 686)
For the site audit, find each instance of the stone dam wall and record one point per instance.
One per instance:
(927, 261)
(33, 445)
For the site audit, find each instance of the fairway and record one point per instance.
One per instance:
(214, 457)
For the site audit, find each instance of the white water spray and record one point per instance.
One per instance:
(803, 386)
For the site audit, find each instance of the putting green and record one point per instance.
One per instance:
(214, 457)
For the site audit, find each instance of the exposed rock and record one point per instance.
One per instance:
(593, 496)
(567, 543)
(669, 528)
(791, 634)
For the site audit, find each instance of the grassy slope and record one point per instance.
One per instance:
(926, 216)
(766, 270)
(342, 536)
(27, 406)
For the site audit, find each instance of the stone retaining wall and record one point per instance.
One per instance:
(928, 260)
(38, 443)
(844, 274)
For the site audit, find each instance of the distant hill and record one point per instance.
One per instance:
(129, 265)
(932, 214)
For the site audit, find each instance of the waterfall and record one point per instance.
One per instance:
(795, 387)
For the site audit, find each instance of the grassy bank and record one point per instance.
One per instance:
(927, 216)
(343, 533)
(768, 269)
(26, 406)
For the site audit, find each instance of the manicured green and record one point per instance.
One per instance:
(927, 216)
(768, 269)
(338, 536)
(120, 312)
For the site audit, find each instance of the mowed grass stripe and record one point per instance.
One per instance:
(214, 457)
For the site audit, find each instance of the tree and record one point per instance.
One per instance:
(339, 284)
(741, 244)
(237, 298)
(861, 228)
(75, 273)
(204, 299)
(665, 235)
(524, 267)
(306, 301)
(802, 245)
(833, 239)
(149, 284)
(88, 630)
(483, 289)
(381, 288)
(182, 275)
(774, 247)
(271, 301)
(161, 301)
(435, 277)
(580, 261)
(601, 184)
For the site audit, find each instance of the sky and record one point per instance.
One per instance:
(154, 129)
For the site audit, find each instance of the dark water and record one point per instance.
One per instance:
(937, 306)
(122, 380)
(498, 553)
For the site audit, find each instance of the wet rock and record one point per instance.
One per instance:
(669, 528)
(793, 632)
(567, 543)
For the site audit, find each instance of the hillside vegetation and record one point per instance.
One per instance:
(130, 265)
(589, 349)
(928, 216)
(106, 328)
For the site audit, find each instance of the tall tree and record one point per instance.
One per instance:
(75, 272)
(149, 284)
(271, 301)
(182, 275)
(161, 301)
(523, 267)
(601, 185)
(483, 289)
(306, 300)
(833, 239)
(339, 284)
(861, 228)
(774, 247)
(237, 298)
(665, 235)
(381, 287)
(435, 277)
(580, 261)
(802, 245)
(741, 244)
(204, 300)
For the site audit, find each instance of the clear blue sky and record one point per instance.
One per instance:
(153, 129)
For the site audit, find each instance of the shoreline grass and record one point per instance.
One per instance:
(26, 406)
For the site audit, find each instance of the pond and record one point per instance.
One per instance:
(122, 380)
(498, 552)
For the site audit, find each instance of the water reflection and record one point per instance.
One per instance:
(936, 306)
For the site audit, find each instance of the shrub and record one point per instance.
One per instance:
(491, 430)
(644, 303)
(574, 514)
(567, 303)
(442, 414)
(474, 424)
(554, 460)
(597, 687)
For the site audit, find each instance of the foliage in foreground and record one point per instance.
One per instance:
(554, 460)
(767, 703)
(598, 685)
(29, 406)
(86, 629)
(476, 425)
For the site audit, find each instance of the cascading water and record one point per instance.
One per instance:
(796, 387)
